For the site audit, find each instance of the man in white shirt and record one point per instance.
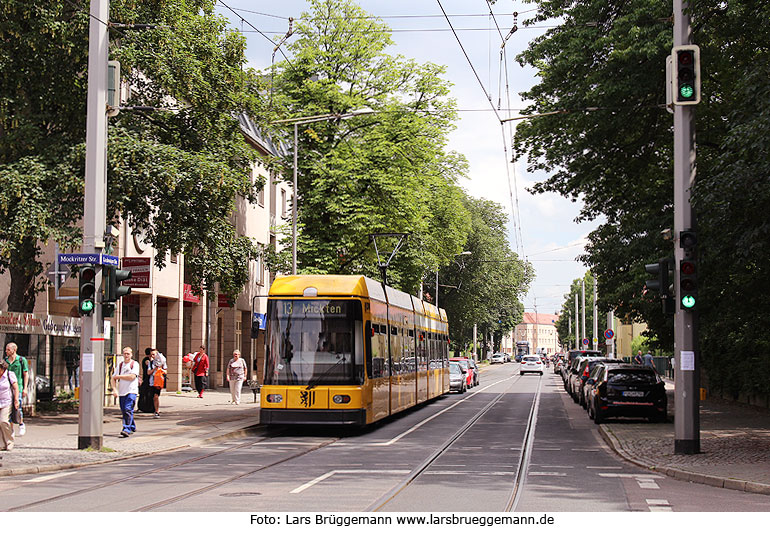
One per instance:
(125, 386)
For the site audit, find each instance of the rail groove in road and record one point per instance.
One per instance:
(420, 469)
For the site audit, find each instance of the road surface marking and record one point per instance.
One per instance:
(331, 473)
(47, 478)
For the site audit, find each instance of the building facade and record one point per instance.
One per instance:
(537, 328)
(162, 311)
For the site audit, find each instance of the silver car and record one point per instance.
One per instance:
(457, 378)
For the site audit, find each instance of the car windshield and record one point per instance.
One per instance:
(531, 359)
(454, 368)
(463, 364)
(632, 377)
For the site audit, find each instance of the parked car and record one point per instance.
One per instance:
(576, 370)
(475, 368)
(531, 363)
(465, 363)
(628, 390)
(584, 370)
(457, 379)
(497, 358)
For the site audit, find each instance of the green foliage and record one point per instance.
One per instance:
(386, 172)
(610, 56)
(175, 174)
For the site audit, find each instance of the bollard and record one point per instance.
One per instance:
(702, 394)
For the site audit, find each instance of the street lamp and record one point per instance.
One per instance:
(297, 121)
(456, 255)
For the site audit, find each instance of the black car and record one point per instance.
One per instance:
(584, 370)
(628, 390)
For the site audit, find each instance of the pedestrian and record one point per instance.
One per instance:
(19, 366)
(236, 374)
(200, 370)
(125, 385)
(638, 358)
(146, 403)
(157, 377)
(71, 356)
(648, 360)
(9, 396)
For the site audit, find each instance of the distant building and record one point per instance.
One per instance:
(537, 328)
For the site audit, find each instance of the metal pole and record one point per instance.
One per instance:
(474, 341)
(686, 376)
(437, 288)
(294, 209)
(596, 320)
(577, 325)
(92, 389)
(610, 326)
(583, 303)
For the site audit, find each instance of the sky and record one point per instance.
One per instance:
(547, 234)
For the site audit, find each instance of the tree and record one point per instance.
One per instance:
(567, 314)
(172, 174)
(387, 172)
(603, 66)
(486, 287)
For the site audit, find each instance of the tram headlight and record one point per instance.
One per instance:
(274, 398)
(341, 398)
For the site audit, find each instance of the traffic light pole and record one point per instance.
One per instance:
(686, 377)
(90, 411)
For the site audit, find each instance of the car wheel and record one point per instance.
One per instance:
(541, 373)
(598, 417)
(521, 373)
(590, 412)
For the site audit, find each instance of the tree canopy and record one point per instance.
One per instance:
(604, 66)
(172, 173)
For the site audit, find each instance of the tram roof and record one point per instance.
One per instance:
(349, 285)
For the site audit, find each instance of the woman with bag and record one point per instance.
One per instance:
(9, 400)
(200, 370)
(236, 374)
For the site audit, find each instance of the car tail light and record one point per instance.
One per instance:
(274, 398)
(341, 398)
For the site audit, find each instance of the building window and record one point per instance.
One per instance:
(283, 203)
(261, 197)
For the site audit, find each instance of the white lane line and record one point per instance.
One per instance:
(657, 502)
(331, 473)
(47, 478)
(557, 474)
(654, 509)
(606, 467)
(643, 477)
(643, 484)
(285, 443)
(417, 426)
(465, 473)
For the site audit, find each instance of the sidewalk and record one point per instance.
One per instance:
(51, 441)
(734, 444)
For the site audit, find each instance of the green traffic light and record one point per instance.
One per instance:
(686, 91)
(87, 306)
(688, 302)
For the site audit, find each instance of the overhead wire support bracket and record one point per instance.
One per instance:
(514, 29)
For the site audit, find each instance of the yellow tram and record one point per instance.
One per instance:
(347, 350)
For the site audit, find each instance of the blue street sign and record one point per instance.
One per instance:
(261, 319)
(110, 260)
(79, 259)
(88, 259)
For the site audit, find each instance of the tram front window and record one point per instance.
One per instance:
(314, 342)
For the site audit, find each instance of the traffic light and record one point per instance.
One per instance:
(688, 288)
(660, 282)
(113, 290)
(686, 82)
(87, 290)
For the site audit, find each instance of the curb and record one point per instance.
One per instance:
(683, 475)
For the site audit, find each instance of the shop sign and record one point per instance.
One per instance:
(140, 272)
(189, 296)
(224, 301)
(40, 324)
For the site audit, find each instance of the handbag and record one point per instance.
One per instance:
(15, 413)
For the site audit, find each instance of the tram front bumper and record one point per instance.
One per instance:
(313, 416)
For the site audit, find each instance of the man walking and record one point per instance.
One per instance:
(71, 357)
(647, 360)
(125, 386)
(19, 366)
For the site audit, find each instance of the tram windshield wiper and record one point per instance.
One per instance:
(316, 380)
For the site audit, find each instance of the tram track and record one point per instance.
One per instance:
(161, 503)
(523, 461)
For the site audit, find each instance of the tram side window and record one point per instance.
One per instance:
(378, 367)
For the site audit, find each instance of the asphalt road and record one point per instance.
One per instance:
(514, 442)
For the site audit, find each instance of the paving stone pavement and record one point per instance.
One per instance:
(734, 443)
(51, 441)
